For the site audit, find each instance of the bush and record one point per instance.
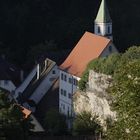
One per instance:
(86, 124)
(55, 123)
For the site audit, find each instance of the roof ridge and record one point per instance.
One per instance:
(87, 32)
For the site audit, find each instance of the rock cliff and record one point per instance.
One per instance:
(95, 99)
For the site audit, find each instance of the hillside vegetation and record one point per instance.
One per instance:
(124, 91)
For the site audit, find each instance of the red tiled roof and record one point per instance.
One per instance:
(26, 112)
(88, 48)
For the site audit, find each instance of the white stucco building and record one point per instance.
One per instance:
(36, 85)
(90, 46)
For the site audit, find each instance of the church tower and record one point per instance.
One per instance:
(103, 22)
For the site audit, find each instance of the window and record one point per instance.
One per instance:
(99, 31)
(65, 78)
(75, 82)
(69, 95)
(53, 72)
(65, 93)
(110, 48)
(62, 76)
(68, 113)
(70, 80)
(62, 92)
(109, 29)
(64, 107)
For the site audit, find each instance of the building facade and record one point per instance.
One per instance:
(68, 85)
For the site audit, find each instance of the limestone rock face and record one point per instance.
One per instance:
(95, 99)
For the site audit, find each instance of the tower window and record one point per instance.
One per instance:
(99, 31)
(109, 30)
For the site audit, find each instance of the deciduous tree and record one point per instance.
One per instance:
(13, 124)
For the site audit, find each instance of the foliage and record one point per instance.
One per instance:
(86, 124)
(131, 54)
(55, 123)
(106, 65)
(126, 94)
(13, 124)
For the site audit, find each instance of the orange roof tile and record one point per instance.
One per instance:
(26, 112)
(88, 48)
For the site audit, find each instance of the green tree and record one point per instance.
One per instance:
(131, 54)
(86, 124)
(55, 123)
(126, 99)
(13, 124)
(106, 65)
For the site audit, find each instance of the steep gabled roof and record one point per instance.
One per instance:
(103, 15)
(88, 48)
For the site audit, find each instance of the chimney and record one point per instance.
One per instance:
(38, 71)
(21, 75)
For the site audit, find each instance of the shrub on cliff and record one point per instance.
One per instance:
(106, 65)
